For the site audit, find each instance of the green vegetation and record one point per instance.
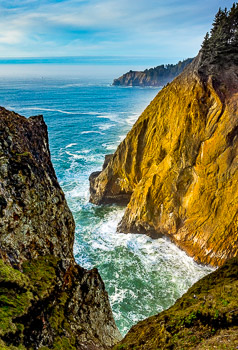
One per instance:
(42, 273)
(15, 298)
(168, 70)
(157, 76)
(61, 344)
(222, 42)
(206, 315)
(20, 295)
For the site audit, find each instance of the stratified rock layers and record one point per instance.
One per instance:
(46, 299)
(178, 166)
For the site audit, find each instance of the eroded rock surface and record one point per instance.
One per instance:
(178, 166)
(47, 301)
(180, 163)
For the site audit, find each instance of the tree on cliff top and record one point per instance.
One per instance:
(222, 43)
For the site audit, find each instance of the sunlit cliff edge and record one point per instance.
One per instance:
(178, 167)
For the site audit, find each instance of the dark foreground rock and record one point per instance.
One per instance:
(205, 318)
(47, 301)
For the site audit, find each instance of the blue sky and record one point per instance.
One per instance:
(149, 28)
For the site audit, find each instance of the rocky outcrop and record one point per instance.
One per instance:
(157, 76)
(47, 301)
(178, 166)
(204, 318)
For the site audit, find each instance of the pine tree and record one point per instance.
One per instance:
(222, 44)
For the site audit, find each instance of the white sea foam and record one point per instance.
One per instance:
(11, 108)
(121, 138)
(78, 192)
(76, 156)
(144, 269)
(47, 110)
(132, 119)
(112, 117)
(84, 151)
(149, 251)
(88, 158)
(92, 132)
(105, 127)
(110, 146)
(70, 145)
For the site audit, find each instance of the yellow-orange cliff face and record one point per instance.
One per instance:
(178, 166)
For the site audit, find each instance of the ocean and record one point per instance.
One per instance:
(87, 118)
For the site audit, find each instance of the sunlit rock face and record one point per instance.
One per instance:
(178, 166)
(46, 299)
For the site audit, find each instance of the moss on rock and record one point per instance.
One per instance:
(15, 299)
(42, 273)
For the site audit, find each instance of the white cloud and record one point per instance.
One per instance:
(11, 36)
(83, 27)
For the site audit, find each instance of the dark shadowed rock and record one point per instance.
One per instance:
(47, 301)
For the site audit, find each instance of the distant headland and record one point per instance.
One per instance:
(158, 76)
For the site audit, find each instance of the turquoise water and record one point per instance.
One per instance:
(87, 119)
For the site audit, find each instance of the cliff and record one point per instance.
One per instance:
(205, 318)
(157, 76)
(46, 299)
(178, 167)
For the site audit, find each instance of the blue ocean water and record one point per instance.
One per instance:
(87, 118)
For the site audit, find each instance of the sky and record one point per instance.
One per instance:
(136, 28)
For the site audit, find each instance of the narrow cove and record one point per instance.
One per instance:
(85, 122)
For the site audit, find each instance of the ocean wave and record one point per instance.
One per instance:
(84, 151)
(150, 252)
(72, 85)
(121, 138)
(110, 146)
(143, 268)
(112, 117)
(93, 158)
(76, 156)
(46, 110)
(105, 127)
(70, 145)
(92, 132)
(132, 119)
